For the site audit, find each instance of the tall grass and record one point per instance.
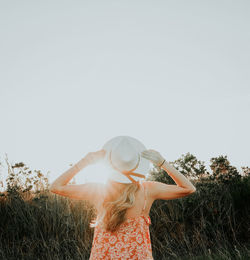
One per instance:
(44, 226)
(212, 223)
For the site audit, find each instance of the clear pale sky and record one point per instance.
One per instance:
(173, 74)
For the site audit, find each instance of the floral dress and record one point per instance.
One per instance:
(130, 241)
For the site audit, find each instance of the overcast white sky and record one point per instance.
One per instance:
(173, 74)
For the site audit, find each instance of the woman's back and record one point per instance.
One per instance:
(132, 239)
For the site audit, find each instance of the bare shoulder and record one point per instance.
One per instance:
(148, 186)
(97, 190)
(158, 190)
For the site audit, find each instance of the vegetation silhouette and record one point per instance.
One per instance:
(212, 223)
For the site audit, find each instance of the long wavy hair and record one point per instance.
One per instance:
(114, 208)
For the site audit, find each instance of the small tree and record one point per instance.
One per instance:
(222, 170)
(246, 171)
(188, 165)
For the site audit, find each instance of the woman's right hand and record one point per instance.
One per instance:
(153, 156)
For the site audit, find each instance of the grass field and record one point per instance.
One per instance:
(212, 223)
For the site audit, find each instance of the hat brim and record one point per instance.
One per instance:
(143, 167)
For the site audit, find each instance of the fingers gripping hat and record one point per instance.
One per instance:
(123, 157)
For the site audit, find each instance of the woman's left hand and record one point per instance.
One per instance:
(94, 157)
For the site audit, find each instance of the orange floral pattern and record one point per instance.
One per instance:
(131, 241)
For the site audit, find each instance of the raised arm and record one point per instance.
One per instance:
(86, 191)
(178, 178)
(159, 190)
(64, 178)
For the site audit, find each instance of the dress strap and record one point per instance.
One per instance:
(145, 198)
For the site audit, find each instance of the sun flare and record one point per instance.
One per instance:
(98, 173)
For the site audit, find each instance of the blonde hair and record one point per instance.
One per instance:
(114, 210)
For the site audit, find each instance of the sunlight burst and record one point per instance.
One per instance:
(98, 172)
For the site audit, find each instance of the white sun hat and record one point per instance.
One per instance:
(123, 158)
